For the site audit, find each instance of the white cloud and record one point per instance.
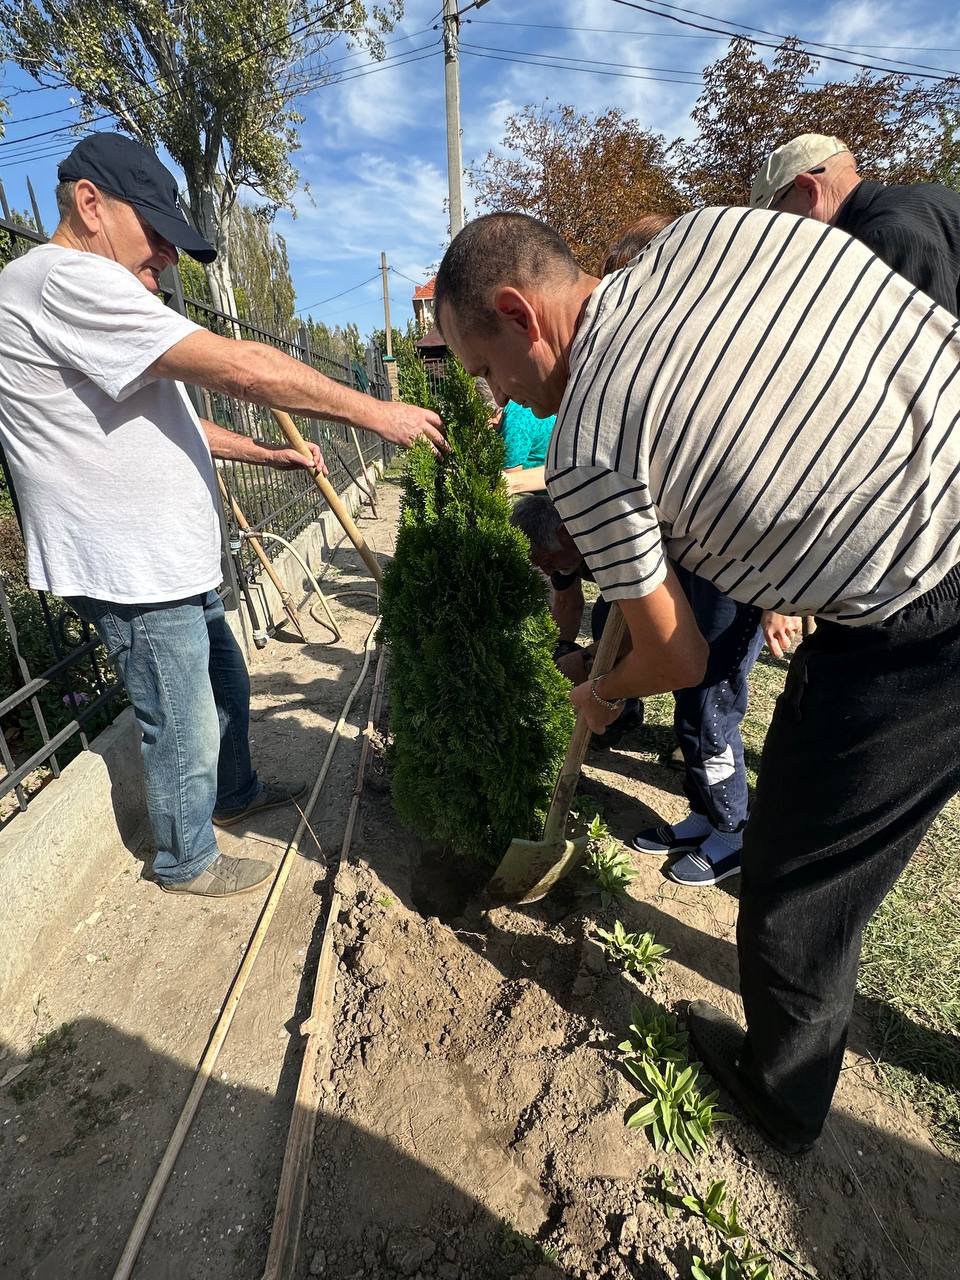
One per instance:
(363, 204)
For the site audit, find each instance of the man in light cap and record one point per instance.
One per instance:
(117, 490)
(914, 228)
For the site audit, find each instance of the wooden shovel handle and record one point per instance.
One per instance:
(330, 496)
(563, 793)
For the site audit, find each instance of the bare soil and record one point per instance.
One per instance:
(138, 982)
(472, 1124)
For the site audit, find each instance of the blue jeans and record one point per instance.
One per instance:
(187, 680)
(707, 718)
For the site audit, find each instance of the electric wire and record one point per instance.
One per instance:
(333, 297)
(416, 283)
(400, 60)
(59, 88)
(593, 62)
(765, 44)
(685, 35)
(526, 62)
(667, 4)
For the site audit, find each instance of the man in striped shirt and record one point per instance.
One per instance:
(762, 400)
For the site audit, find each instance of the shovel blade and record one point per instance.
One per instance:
(530, 868)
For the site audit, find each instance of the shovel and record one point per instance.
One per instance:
(530, 868)
(343, 516)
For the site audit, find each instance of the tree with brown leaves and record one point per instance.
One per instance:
(587, 176)
(896, 130)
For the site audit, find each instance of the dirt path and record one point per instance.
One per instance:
(138, 982)
(473, 1124)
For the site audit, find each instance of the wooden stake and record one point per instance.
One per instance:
(292, 1191)
(330, 496)
(371, 487)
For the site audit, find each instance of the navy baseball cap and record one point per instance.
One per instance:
(132, 172)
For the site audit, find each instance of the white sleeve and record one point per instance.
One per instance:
(95, 316)
(613, 521)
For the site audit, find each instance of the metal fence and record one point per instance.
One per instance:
(45, 719)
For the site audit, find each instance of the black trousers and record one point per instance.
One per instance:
(862, 754)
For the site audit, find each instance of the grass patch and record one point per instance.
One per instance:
(49, 1059)
(911, 950)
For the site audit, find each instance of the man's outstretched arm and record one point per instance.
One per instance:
(256, 372)
(234, 447)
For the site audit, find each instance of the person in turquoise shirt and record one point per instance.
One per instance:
(525, 440)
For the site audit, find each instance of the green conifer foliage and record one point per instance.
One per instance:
(480, 716)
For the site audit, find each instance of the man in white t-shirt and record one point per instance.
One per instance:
(116, 485)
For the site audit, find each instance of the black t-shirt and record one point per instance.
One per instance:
(561, 581)
(915, 229)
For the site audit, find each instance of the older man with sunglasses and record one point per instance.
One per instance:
(914, 227)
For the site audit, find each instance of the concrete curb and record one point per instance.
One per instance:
(78, 832)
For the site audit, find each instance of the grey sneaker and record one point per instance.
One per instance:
(224, 877)
(270, 796)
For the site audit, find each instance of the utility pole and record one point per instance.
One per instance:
(389, 362)
(386, 304)
(451, 85)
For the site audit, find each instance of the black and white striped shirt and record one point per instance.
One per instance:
(762, 400)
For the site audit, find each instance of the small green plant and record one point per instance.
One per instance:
(385, 901)
(607, 865)
(49, 1052)
(731, 1267)
(654, 1036)
(751, 1262)
(679, 1117)
(514, 1244)
(635, 952)
(710, 1208)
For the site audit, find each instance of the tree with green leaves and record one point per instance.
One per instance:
(195, 79)
(479, 714)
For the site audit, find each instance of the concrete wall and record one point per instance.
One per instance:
(85, 826)
(80, 830)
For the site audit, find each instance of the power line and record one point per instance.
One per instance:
(592, 71)
(339, 315)
(683, 35)
(665, 4)
(59, 88)
(564, 57)
(418, 284)
(434, 49)
(333, 297)
(823, 57)
(399, 60)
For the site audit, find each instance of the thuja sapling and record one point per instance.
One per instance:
(479, 714)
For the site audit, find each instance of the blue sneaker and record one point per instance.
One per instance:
(694, 868)
(664, 839)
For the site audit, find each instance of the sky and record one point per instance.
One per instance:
(373, 153)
